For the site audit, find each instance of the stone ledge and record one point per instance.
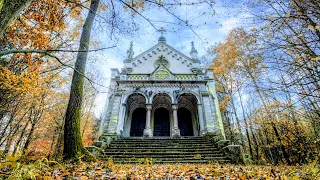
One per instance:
(94, 150)
(234, 153)
(223, 143)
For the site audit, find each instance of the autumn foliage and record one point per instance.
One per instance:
(33, 101)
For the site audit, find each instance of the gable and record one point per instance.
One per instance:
(161, 73)
(145, 63)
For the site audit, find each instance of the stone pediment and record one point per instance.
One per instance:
(162, 47)
(161, 73)
(145, 63)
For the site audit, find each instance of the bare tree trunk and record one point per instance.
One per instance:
(9, 9)
(246, 124)
(58, 147)
(20, 138)
(285, 154)
(27, 143)
(239, 126)
(73, 145)
(254, 139)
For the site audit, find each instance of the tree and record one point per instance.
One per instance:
(73, 145)
(8, 11)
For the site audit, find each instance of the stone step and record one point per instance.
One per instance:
(161, 142)
(162, 138)
(162, 148)
(171, 162)
(163, 156)
(162, 145)
(207, 159)
(160, 152)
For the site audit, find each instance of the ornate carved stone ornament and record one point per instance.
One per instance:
(176, 94)
(149, 95)
(162, 74)
(161, 61)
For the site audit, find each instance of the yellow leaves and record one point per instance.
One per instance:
(310, 27)
(76, 12)
(270, 18)
(287, 15)
(268, 26)
(301, 58)
(316, 58)
(104, 170)
(269, 36)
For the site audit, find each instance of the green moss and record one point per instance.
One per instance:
(1, 4)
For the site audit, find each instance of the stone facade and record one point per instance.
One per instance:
(162, 92)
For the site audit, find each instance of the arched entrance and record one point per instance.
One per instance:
(161, 122)
(138, 122)
(188, 121)
(185, 122)
(135, 116)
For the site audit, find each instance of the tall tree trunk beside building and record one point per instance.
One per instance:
(73, 145)
(239, 126)
(245, 124)
(8, 11)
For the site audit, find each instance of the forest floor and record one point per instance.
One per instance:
(44, 169)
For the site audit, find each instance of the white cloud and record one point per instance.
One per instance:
(228, 25)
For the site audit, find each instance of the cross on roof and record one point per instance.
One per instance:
(162, 30)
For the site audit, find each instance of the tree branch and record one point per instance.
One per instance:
(13, 51)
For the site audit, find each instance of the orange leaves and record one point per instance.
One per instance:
(137, 5)
(223, 105)
(42, 25)
(44, 169)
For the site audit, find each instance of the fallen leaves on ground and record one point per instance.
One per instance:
(44, 169)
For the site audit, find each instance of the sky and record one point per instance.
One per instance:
(209, 25)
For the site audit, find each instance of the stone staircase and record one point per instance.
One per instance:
(163, 150)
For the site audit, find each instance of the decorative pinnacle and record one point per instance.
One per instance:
(193, 52)
(162, 38)
(130, 52)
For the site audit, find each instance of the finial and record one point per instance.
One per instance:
(162, 38)
(193, 52)
(130, 52)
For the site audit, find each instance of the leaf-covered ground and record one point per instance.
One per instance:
(44, 169)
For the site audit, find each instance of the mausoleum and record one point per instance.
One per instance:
(162, 92)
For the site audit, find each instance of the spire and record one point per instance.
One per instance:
(193, 52)
(162, 38)
(130, 52)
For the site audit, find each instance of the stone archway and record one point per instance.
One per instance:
(161, 122)
(138, 122)
(188, 120)
(135, 116)
(161, 114)
(185, 122)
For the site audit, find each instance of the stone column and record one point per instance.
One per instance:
(175, 129)
(201, 120)
(122, 116)
(147, 132)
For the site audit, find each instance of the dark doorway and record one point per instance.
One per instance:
(138, 122)
(161, 122)
(185, 122)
